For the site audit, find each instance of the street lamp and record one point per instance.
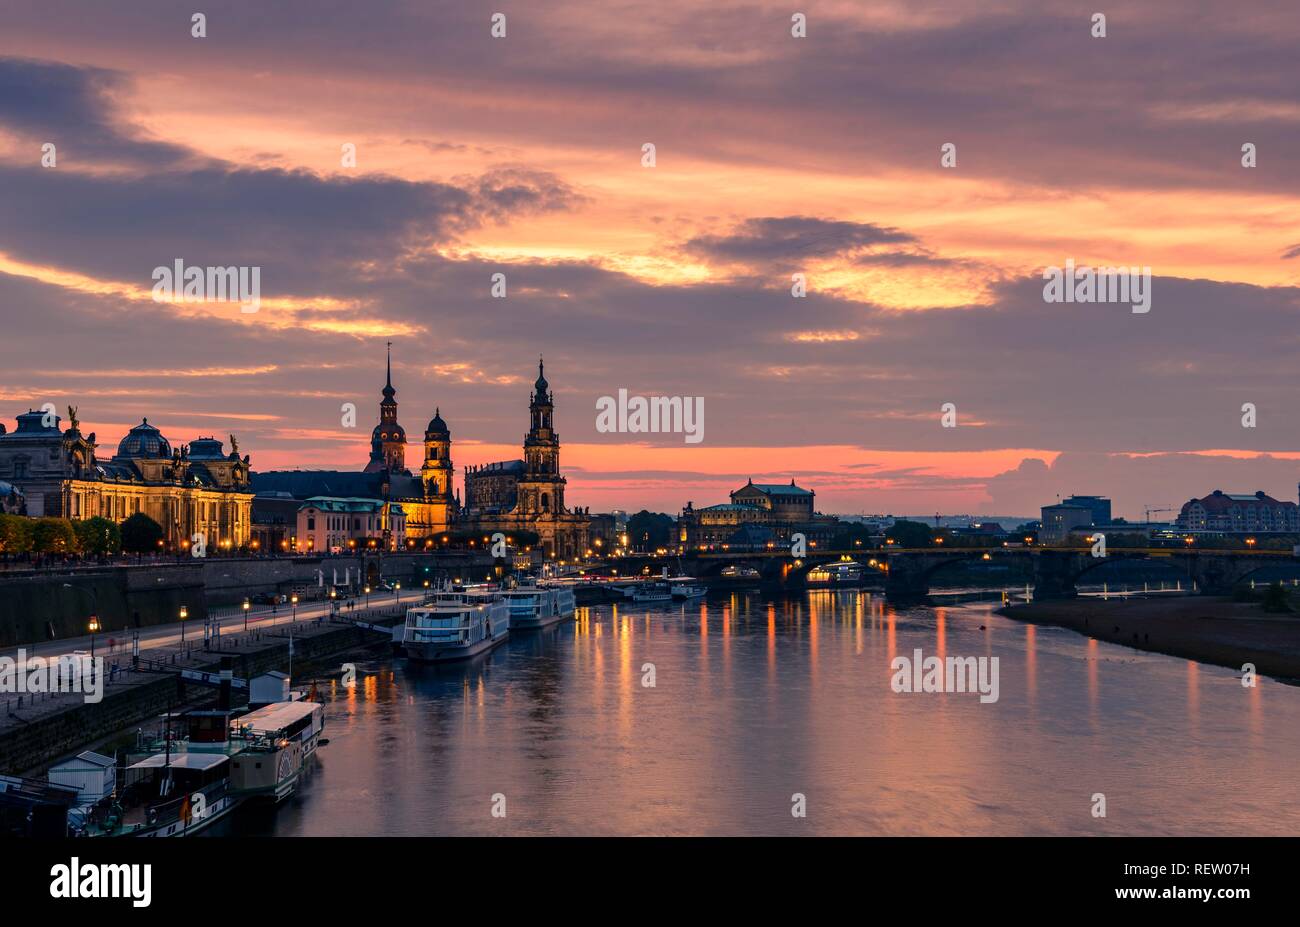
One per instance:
(185, 613)
(94, 601)
(293, 600)
(367, 597)
(94, 626)
(398, 588)
(247, 606)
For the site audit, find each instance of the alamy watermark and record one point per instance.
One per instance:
(195, 284)
(651, 414)
(75, 672)
(953, 674)
(1072, 284)
(75, 879)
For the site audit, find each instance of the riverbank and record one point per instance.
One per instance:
(35, 731)
(1205, 628)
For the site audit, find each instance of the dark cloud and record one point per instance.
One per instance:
(310, 233)
(74, 108)
(903, 259)
(1022, 89)
(791, 238)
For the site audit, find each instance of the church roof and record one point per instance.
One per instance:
(354, 484)
(436, 425)
(500, 466)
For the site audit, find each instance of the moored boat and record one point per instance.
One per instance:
(538, 607)
(685, 587)
(456, 625)
(646, 593)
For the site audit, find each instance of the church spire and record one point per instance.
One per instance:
(389, 392)
(541, 386)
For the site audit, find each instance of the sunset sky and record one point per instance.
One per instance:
(775, 155)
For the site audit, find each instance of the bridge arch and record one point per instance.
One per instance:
(1177, 565)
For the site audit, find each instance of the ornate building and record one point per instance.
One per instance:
(758, 514)
(411, 507)
(191, 489)
(528, 494)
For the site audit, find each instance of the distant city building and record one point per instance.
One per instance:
(191, 489)
(1060, 519)
(780, 510)
(1099, 506)
(1239, 512)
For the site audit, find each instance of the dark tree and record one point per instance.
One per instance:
(141, 534)
(906, 533)
(53, 536)
(98, 536)
(648, 530)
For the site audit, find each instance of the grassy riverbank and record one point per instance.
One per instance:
(1205, 628)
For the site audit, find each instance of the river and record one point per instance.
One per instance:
(756, 701)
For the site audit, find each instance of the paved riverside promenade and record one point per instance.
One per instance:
(37, 727)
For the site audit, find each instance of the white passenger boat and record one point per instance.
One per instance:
(537, 607)
(455, 625)
(646, 593)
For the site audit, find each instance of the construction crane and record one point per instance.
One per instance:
(1149, 511)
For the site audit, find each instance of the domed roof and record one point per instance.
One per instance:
(541, 385)
(436, 425)
(206, 449)
(144, 440)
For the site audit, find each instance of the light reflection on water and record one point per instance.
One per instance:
(756, 700)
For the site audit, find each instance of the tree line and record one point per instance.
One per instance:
(94, 537)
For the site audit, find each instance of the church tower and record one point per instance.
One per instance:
(437, 470)
(541, 488)
(388, 441)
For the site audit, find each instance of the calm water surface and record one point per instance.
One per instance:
(757, 699)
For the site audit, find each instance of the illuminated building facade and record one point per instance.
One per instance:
(758, 514)
(192, 489)
(528, 494)
(424, 501)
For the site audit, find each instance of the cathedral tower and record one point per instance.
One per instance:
(541, 488)
(388, 441)
(437, 470)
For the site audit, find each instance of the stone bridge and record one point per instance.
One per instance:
(1057, 572)
(908, 572)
